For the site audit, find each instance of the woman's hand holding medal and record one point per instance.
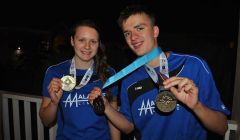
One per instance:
(55, 90)
(98, 102)
(57, 86)
(186, 91)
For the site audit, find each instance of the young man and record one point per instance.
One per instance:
(197, 104)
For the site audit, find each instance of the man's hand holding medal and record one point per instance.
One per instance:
(183, 89)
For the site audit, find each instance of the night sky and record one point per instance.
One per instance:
(196, 17)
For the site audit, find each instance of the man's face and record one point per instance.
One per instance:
(140, 34)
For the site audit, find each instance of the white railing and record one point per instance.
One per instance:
(27, 100)
(232, 126)
(11, 101)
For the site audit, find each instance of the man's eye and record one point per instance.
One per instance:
(140, 28)
(81, 40)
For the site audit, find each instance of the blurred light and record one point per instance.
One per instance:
(19, 51)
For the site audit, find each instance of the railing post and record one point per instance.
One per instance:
(28, 119)
(6, 128)
(232, 126)
(40, 127)
(16, 120)
(52, 132)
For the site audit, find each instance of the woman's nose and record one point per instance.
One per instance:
(87, 45)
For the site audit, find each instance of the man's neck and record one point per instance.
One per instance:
(155, 62)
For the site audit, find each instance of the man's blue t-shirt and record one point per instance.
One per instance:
(138, 95)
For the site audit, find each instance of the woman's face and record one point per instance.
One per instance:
(85, 43)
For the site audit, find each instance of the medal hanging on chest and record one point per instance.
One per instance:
(165, 100)
(69, 81)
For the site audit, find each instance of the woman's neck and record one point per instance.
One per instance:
(79, 64)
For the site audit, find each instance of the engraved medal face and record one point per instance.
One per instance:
(68, 83)
(165, 101)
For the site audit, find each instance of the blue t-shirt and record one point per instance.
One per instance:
(76, 119)
(138, 94)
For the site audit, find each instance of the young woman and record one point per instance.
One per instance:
(67, 85)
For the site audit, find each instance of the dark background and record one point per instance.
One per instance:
(205, 28)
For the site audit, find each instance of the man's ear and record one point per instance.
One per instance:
(156, 31)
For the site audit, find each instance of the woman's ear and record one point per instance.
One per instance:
(72, 42)
(156, 31)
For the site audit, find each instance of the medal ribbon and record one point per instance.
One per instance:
(87, 76)
(163, 65)
(133, 66)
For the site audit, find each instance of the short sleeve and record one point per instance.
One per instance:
(208, 92)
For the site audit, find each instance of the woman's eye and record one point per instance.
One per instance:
(126, 34)
(94, 42)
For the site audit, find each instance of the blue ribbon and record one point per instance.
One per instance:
(133, 66)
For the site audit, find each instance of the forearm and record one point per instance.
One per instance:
(48, 114)
(118, 120)
(115, 133)
(212, 120)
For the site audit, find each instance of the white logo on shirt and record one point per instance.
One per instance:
(138, 88)
(149, 106)
(78, 99)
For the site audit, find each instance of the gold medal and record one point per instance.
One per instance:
(166, 101)
(68, 83)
